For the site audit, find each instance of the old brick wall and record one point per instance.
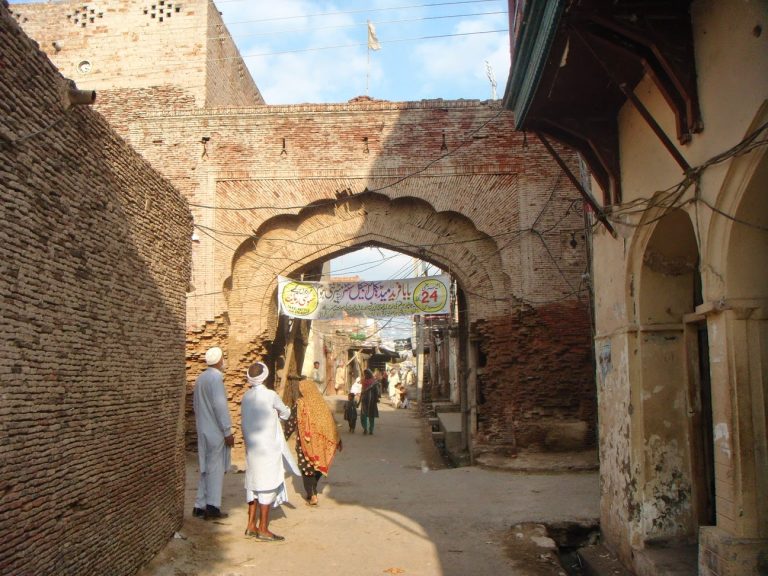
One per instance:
(199, 340)
(496, 213)
(501, 181)
(448, 181)
(94, 264)
(228, 81)
(536, 387)
(182, 44)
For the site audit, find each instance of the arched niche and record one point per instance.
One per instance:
(669, 290)
(738, 322)
(668, 282)
(746, 269)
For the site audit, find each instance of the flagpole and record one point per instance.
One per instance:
(373, 44)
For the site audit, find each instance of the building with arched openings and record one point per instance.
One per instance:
(667, 103)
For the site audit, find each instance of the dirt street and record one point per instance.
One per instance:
(385, 509)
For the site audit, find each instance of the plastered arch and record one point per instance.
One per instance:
(719, 283)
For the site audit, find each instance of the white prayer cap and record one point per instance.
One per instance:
(213, 355)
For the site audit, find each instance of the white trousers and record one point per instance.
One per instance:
(211, 482)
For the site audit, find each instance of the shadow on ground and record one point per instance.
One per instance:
(388, 507)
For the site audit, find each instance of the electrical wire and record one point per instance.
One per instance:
(65, 115)
(179, 64)
(671, 198)
(358, 25)
(160, 33)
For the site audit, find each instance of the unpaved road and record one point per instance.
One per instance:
(383, 510)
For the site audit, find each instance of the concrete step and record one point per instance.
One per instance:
(667, 560)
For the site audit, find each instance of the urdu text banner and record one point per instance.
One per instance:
(378, 298)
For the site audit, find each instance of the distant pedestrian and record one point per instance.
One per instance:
(317, 377)
(266, 453)
(393, 383)
(369, 398)
(410, 378)
(214, 435)
(317, 438)
(357, 388)
(350, 412)
(340, 378)
(402, 397)
(383, 380)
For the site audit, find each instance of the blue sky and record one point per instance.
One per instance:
(304, 51)
(316, 51)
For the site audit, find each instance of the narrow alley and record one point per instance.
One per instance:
(385, 509)
(564, 280)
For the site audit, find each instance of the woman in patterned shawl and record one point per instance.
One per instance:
(317, 438)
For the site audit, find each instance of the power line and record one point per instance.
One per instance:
(164, 64)
(361, 11)
(362, 25)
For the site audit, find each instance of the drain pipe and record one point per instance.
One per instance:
(81, 97)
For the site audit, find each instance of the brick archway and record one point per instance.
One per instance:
(285, 245)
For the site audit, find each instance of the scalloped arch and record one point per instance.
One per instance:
(288, 244)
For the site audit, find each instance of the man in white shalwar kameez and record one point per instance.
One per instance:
(214, 435)
(266, 452)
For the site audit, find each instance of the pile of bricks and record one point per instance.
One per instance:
(92, 296)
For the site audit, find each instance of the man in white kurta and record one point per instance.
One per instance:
(266, 452)
(214, 435)
(394, 395)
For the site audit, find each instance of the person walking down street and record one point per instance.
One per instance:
(402, 397)
(394, 382)
(369, 399)
(214, 435)
(317, 377)
(381, 376)
(266, 452)
(350, 412)
(317, 438)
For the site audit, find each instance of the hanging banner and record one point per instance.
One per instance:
(379, 298)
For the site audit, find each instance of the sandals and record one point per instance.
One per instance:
(269, 538)
(264, 537)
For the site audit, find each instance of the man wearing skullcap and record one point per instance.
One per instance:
(214, 435)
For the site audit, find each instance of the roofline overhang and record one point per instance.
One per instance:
(540, 21)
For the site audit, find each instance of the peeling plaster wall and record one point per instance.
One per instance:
(646, 445)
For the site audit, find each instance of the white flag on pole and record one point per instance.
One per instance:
(373, 42)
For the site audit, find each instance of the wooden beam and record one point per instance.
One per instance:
(588, 198)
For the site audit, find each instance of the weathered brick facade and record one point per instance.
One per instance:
(136, 44)
(94, 265)
(534, 390)
(448, 181)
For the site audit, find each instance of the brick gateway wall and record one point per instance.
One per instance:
(501, 183)
(535, 390)
(495, 185)
(94, 250)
